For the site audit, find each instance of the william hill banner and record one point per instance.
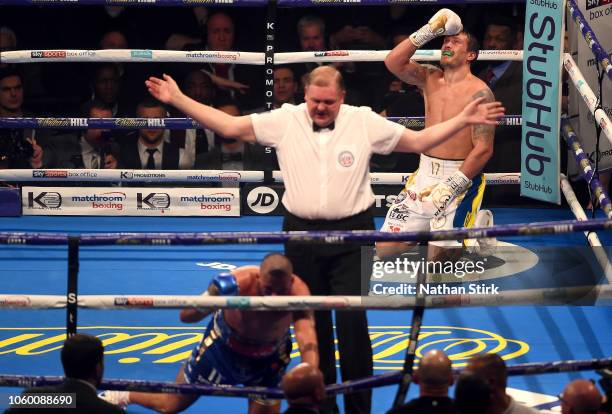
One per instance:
(542, 57)
(129, 201)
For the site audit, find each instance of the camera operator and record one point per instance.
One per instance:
(18, 147)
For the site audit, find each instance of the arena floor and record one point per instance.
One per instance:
(152, 344)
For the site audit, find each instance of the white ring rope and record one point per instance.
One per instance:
(198, 176)
(209, 56)
(587, 94)
(546, 296)
(592, 237)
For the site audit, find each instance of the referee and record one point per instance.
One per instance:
(324, 148)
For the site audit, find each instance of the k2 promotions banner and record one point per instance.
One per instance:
(542, 65)
(118, 201)
(598, 15)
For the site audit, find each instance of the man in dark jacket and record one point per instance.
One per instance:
(90, 148)
(504, 77)
(434, 377)
(83, 362)
(149, 151)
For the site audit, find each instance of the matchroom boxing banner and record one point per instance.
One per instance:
(130, 201)
(598, 15)
(542, 63)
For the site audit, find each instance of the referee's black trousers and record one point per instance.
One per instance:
(330, 269)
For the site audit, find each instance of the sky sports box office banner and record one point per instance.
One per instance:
(122, 201)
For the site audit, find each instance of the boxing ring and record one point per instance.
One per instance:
(135, 271)
(150, 344)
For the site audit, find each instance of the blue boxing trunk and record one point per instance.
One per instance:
(222, 357)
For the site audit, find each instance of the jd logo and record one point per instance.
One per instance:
(262, 200)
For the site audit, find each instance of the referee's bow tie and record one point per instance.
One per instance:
(316, 128)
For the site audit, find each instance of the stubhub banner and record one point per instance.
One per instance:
(542, 52)
(118, 201)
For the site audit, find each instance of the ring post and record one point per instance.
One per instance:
(71, 294)
(415, 329)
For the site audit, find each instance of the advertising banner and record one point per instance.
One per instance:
(542, 57)
(118, 201)
(266, 199)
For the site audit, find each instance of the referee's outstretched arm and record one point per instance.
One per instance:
(241, 127)
(167, 91)
(476, 112)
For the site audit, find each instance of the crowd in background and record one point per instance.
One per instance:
(481, 388)
(117, 89)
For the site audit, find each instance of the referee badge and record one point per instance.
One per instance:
(346, 159)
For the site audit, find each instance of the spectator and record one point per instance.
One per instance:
(399, 34)
(360, 37)
(235, 80)
(285, 89)
(106, 86)
(8, 41)
(365, 78)
(580, 397)
(18, 147)
(304, 388)
(83, 361)
(199, 86)
(149, 151)
(134, 24)
(285, 86)
(472, 394)
(190, 25)
(434, 376)
(503, 78)
(31, 74)
(220, 32)
(400, 100)
(194, 142)
(113, 39)
(11, 93)
(493, 368)
(231, 154)
(311, 34)
(131, 75)
(220, 37)
(91, 148)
